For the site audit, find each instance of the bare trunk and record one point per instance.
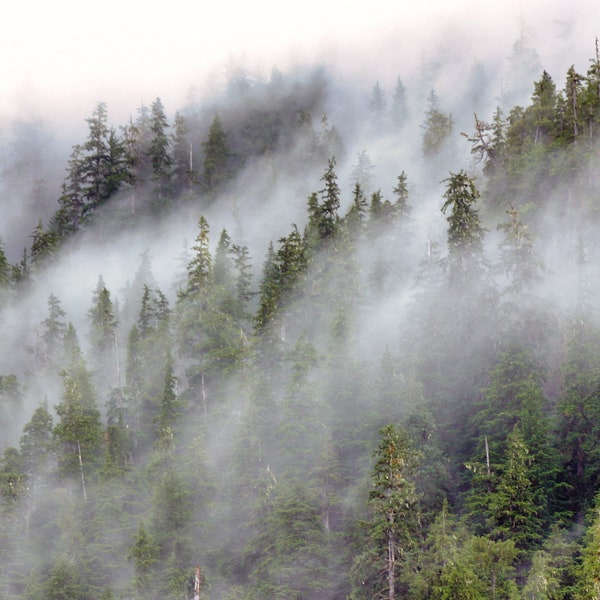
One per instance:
(81, 470)
(203, 391)
(197, 584)
(391, 562)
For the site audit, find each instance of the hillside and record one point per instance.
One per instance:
(320, 341)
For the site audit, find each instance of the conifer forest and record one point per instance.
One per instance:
(300, 339)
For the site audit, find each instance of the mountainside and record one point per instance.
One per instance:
(319, 341)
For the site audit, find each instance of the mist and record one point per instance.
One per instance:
(237, 418)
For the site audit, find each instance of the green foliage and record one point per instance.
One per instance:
(438, 127)
(394, 504)
(288, 555)
(465, 232)
(239, 438)
(216, 167)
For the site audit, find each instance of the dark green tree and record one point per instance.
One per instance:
(216, 170)
(513, 504)
(36, 443)
(288, 555)
(160, 156)
(394, 503)
(13, 479)
(95, 160)
(103, 336)
(465, 231)
(145, 554)
(43, 245)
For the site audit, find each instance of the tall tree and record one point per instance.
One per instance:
(216, 170)
(437, 128)
(103, 334)
(53, 331)
(182, 156)
(96, 157)
(399, 105)
(465, 231)
(378, 105)
(394, 503)
(78, 431)
(43, 245)
(160, 156)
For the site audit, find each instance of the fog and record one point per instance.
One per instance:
(329, 56)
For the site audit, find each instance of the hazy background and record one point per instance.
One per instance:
(60, 58)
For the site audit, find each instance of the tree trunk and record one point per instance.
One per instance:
(391, 561)
(203, 391)
(81, 470)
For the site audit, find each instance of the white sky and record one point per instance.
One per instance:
(66, 55)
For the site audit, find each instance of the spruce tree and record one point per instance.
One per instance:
(216, 166)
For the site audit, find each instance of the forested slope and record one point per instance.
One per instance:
(355, 381)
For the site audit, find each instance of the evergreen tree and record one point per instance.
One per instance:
(588, 570)
(362, 172)
(182, 169)
(378, 105)
(438, 127)
(42, 246)
(53, 331)
(103, 334)
(169, 408)
(394, 502)
(72, 204)
(513, 503)
(399, 105)
(78, 431)
(160, 157)
(95, 160)
(145, 553)
(36, 442)
(12, 480)
(465, 232)
(287, 556)
(216, 167)
(579, 409)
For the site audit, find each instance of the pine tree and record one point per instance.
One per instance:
(438, 127)
(330, 201)
(72, 212)
(96, 158)
(287, 555)
(399, 105)
(145, 553)
(5, 276)
(160, 157)
(394, 503)
(588, 569)
(43, 245)
(36, 442)
(182, 157)
(465, 232)
(216, 167)
(513, 504)
(362, 172)
(543, 108)
(378, 105)
(169, 408)
(78, 431)
(103, 335)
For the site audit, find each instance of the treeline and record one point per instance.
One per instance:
(260, 429)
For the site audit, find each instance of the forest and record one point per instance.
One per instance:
(242, 359)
